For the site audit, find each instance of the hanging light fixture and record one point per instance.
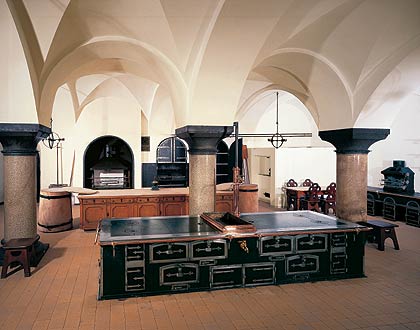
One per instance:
(277, 139)
(53, 140)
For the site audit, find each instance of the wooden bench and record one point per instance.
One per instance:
(19, 250)
(381, 231)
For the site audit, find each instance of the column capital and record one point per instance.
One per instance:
(203, 140)
(354, 140)
(21, 139)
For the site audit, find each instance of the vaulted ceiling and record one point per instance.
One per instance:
(350, 62)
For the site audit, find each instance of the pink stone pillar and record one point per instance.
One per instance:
(352, 158)
(202, 146)
(19, 143)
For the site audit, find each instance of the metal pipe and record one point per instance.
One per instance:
(236, 174)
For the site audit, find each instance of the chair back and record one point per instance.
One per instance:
(307, 183)
(291, 183)
(329, 198)
(331, 189)
(313, 192)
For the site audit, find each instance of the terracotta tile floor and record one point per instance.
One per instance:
(61, 294)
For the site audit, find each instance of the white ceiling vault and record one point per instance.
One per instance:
(352, 63)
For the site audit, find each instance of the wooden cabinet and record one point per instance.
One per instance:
(147, 207)
(174, 205)
(120, 208)
(94, 209)
(91, 214)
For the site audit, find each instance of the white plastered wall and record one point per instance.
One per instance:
(402, 143)
(105, 116)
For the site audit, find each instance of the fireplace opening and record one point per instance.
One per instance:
(108, 164)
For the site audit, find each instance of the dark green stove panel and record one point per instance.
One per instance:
(276, 245)
(311, 243)
(209, 250)
(184, 273)
(113, 273)
(168, 252)
(259, 274)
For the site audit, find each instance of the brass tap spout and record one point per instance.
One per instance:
(243, 246)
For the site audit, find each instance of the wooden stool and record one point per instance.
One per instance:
(382, 230)
(19, 250)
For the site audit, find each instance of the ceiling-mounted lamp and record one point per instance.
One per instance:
(277, 139)
(53, 139)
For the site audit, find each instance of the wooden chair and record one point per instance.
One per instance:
(328, 201)
(291, 198)
(307, 183)
(311, 201)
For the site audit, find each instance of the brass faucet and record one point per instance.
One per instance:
(243, 246)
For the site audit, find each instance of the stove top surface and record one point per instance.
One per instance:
(194, 227)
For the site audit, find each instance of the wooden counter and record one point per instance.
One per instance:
(126, 203)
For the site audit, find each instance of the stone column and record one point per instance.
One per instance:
(352, 148)
(19, 143)
(202, 146)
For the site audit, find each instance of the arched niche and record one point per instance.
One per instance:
(110, 155)
(172, 163)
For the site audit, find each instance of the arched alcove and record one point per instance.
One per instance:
(108, 163)
(172, 163)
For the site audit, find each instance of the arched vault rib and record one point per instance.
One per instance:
(325, 61)
(253, 99)
(109, 87)
(112, 55)
(318, 77)
(30, 45)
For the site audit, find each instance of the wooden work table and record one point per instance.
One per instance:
(126, 203)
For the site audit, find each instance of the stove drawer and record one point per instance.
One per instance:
(168, 252)
(276, 245)
(302, 264)
(338, 262)
(338, 239)
(209, 250)
(178, 274)
(259, 274)
(226, 276)
(311, 243)
(134, 253)
(134, 279)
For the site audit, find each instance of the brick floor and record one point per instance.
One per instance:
(61, 294)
